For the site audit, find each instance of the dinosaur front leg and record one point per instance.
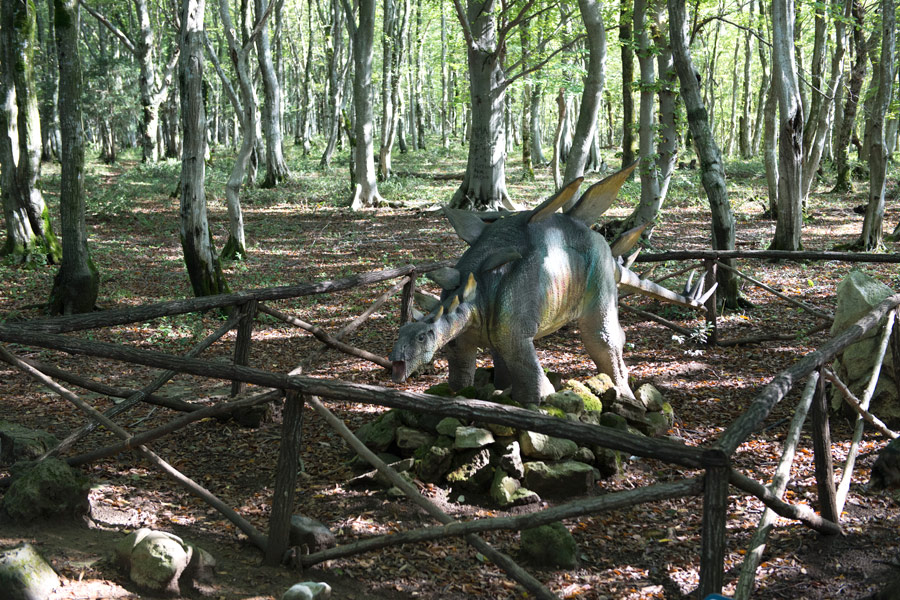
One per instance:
(529, 384)
(461, 359)
(604, 341)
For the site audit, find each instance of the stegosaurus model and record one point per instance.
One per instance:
(523, 277)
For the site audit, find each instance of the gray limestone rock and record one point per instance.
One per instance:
(25, 575)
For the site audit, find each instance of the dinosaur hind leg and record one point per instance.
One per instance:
(604, 341)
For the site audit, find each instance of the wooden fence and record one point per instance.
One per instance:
(714, 459)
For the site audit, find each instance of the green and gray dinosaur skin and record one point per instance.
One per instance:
(524, 276)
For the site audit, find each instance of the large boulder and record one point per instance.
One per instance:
(25, 575)
(48, 488)
(857, 294)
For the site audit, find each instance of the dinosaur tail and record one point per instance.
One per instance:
(692, 298)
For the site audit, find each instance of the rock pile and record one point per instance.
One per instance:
(516, 467)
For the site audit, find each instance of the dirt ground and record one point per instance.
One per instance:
(646, 551)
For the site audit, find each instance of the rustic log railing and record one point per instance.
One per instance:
(714, 459)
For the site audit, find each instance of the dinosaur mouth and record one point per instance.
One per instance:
(398, 371)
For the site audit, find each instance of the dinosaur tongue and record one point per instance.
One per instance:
(398, 371)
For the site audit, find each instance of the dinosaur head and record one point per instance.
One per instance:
(419, 340)
(416, 345)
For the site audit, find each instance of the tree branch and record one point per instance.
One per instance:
(123, 37)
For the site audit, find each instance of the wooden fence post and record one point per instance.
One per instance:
(242, 345)
(821, 434)
(285, 478)
(406, 302)
(713, 337)
(712, 542)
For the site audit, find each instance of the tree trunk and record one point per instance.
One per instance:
(393, 43)
(854, 86)
(625, 39)
(366, 190)
(335, 55)
(820, 123)
(445, 84)
(744, 121)
(525, 42)
(668, 103)
(651, 200)
(203, 266)
(29, 232)
(301, 136)
(276, 167)
(712, 169)
(50, 136)
(420, 79)
(147, 81)
(77, 282)
(592, 94)
(871, 238)
(770, 149)
(763, 50)
(484, 184)
(732, 125)
(534, 126)
(790, 136)
(557, 140)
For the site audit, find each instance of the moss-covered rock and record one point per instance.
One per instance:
(441, 389)
(549, 546)
(588, 398)
(567, 401)
(25, 575)
(21, 443)
(471, 470)
(48, 488)
(379, 434)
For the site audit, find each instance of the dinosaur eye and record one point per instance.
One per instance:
(421, 337)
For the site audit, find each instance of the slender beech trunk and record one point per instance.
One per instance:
(789, 221)
(668, 102)
(625, 39)
(651, 201)
(29, 234)
(744, 121)
(203, 266)
(525, 43)
(592, 95)
(712, 169)
(820, 123)
(854, 86)
(445, 84)
(732, 125)
(77, 282)
(557, 139)
(302, 136)
(363, 34)
(276, 166)
(335, 82)
(764, 52)
(50, 136)
(872, 236)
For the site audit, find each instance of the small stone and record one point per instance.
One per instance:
(649, 397)
(434, 463)
(544, 447)
(509, 458)
(584, 455)
(559, 480)
(503, 488)
(310, 534)
(614, 421)
(567, 400)
(155, 559)
(472, 437)
(590, 400)
(308, 590)
(658, 424)
(441, 389)
(412, 439)
(472, 470)
(448, 426)
(602, 386)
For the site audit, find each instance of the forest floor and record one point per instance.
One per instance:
(302, 233)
